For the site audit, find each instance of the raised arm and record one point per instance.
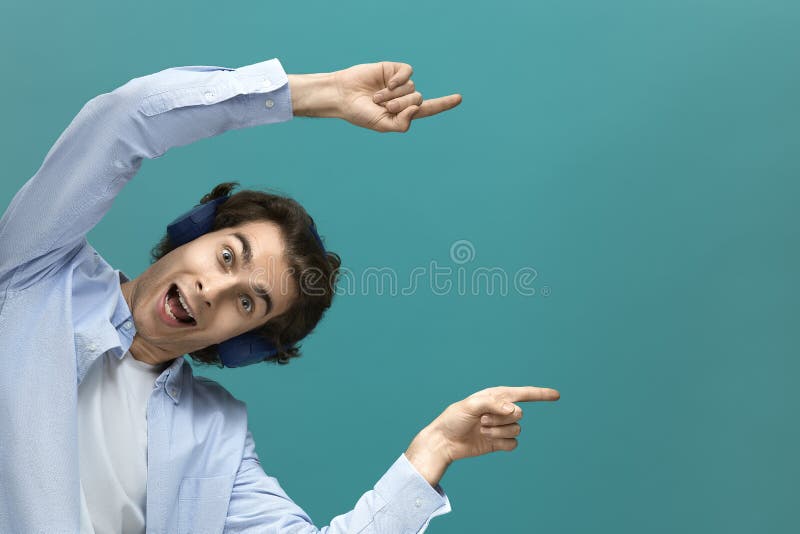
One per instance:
(104, 146)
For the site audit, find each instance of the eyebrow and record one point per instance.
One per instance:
(247, 256)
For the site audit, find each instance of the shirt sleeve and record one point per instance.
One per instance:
(402, 501)
(105, 144)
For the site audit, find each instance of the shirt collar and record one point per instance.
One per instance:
(171, 376)
(171, 379)
(122, 321)
(111, 330)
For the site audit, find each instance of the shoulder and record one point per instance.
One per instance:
(214, 411)
(213, 388)
(45, 267)
(211, 392)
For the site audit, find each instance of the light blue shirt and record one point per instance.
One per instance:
(61, 307)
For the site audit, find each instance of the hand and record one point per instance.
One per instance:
(382, 96)
(484, 422)
(379, 96)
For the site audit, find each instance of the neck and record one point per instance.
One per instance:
(141, 349)
(147, 353)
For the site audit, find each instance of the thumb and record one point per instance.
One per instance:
(402, 121)
(481, 404)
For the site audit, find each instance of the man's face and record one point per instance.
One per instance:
(225, 295)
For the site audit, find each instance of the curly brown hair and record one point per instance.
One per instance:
(314, 270)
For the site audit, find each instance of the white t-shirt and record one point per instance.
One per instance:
(112, 442)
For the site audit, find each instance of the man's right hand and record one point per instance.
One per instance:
(378, 96)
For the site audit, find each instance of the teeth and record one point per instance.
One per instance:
(183, 304)
(166, 307)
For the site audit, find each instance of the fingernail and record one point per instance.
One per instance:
(377, 96)
(485, 420)
(508, 408)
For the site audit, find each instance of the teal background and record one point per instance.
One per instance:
(642, 156)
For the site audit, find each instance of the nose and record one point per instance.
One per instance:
(214, 289)
(199, 286)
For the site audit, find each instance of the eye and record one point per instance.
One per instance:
(227, 256)
(247, 303)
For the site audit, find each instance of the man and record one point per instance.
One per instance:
(105, 429)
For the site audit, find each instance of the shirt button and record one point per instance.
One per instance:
(269, 103)
(173, 392)
(92, 347)
(127, 325)
(209, 95)
(418, 502)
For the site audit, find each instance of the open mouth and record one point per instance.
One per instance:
(176, 309)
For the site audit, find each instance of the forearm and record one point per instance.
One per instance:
(103, 147)
(315, 95)
(428, 454)
(401, 501)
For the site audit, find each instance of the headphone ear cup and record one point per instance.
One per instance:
(194, 223)
(244, 350)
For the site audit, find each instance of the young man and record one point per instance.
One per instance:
(104, 427)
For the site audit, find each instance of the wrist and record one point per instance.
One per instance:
(428, 454)
(314, 95)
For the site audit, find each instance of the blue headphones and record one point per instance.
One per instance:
(244, 349)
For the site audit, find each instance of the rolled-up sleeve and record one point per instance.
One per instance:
(402, 501)
(105, 144)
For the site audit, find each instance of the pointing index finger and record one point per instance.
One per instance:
(437, 105)
(529, 394)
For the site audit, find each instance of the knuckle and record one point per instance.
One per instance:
(472, 403)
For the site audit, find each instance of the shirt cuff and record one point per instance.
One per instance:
(266, 89)
(408, 495)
